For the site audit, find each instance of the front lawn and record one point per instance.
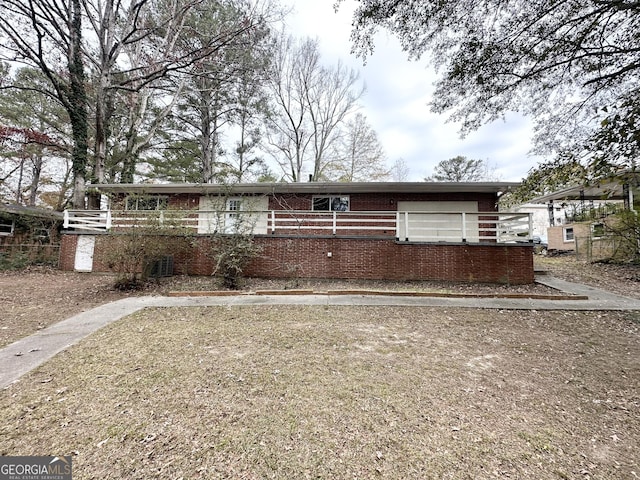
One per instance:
(339, 392)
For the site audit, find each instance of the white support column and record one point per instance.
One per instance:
(397, 225)
(406, 226)
(273, 221)
(66, 219)
(335, 218)
(108, 225)
(464, 227)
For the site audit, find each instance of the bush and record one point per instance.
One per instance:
(232, 253)
(13, 261)
(624, 229)
(133, 250)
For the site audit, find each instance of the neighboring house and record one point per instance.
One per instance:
(539, 217)
(409, 231)
(586, 209)
(31, 232)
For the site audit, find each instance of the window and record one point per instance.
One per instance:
(597, 230)
(146, 203)
(6, 228)
(232, 224)
(330, 204)
(568, 234)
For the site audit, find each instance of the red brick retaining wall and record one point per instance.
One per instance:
(353, 257)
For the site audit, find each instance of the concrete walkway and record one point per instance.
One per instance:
(28, 353)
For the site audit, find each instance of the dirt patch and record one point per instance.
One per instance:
(339, 392)
(36, 298)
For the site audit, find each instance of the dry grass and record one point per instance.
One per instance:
(339, 392)
(622, 279)
(31, 300)
(34, 299)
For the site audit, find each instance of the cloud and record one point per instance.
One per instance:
(397, 101)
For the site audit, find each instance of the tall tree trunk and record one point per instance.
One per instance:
(77, 107)
(100, 148)
(130, 159)
(35, 179)
(20, 176)
(103, 104)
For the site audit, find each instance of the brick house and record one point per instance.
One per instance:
(400, 231)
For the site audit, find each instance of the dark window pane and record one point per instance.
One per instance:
(321, 203)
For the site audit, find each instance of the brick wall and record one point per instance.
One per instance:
(368, 258)
(68, 245)
(384, 201)
(356, 258)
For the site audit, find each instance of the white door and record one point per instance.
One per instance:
(84, 253)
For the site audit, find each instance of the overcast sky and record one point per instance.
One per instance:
(398, 92)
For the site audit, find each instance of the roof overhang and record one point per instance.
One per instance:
(604, 192)
(316, 188)
(609, 188)
(30, 211)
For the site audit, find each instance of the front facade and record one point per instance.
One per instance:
(400, 231)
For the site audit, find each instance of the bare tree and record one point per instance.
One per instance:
(203, 98)
(400, 170)
(48, 33)
(287, 134)
(310, 102)
(360, 154)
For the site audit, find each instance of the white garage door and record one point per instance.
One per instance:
(437, 221)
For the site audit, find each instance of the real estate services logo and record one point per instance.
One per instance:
(35, 468)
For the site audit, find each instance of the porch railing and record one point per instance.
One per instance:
(501, 227)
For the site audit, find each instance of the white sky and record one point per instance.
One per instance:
(398, 92)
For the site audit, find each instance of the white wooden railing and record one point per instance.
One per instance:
(404, 226)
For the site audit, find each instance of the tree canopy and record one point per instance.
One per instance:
(460, 169)
(573, 65)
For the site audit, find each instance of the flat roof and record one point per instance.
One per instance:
(309, 187)
(605, 188)
(609, 191)
(30, 211)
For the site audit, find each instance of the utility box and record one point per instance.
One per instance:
(162, 267)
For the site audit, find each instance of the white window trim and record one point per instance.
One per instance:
(7, 229)
(564, 234)
(593, 230)
(232, 215)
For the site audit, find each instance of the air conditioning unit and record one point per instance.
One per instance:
(162, 267)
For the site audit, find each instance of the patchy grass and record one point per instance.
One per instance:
(339, 392)
(622, 279)
(38, 297)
